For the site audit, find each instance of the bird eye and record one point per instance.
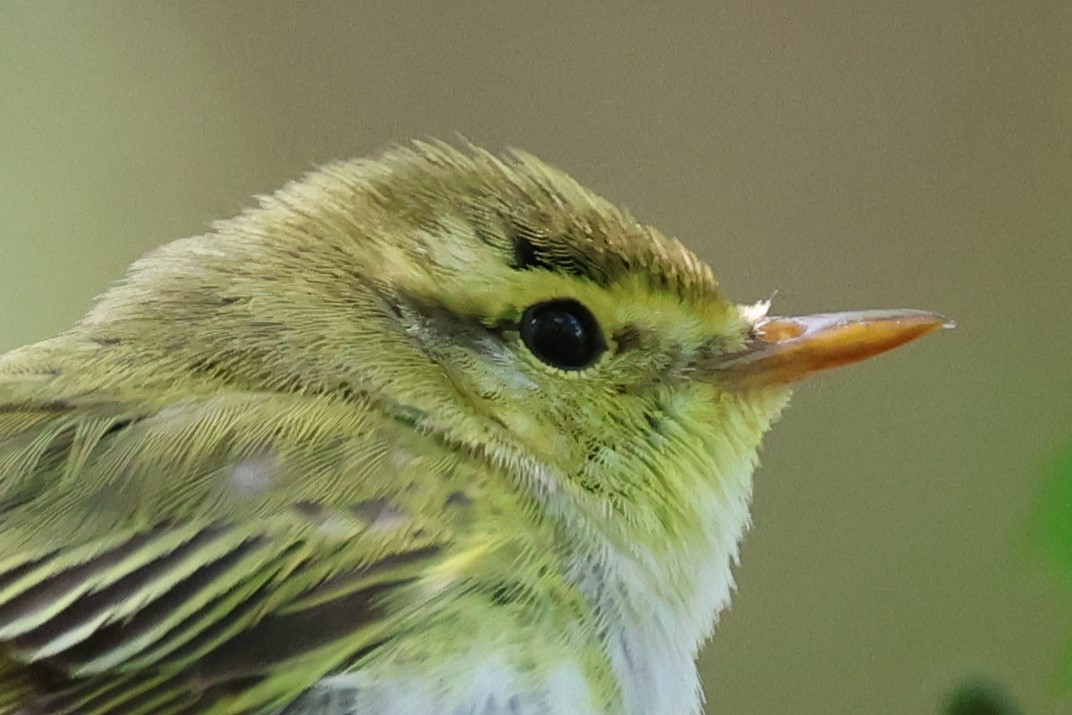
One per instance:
(562, 333)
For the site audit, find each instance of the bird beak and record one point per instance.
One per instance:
(783, 350)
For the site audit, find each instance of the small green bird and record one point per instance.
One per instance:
(437, 433)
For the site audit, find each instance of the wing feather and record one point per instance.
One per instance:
(205, 553)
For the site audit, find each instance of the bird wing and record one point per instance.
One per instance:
(206, 553)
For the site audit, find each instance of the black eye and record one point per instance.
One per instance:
(562, 333)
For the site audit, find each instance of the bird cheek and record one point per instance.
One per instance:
(540, 437)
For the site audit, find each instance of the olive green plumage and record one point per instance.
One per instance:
(307, 462)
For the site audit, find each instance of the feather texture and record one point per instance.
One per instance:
(199, 607)
(307, 463)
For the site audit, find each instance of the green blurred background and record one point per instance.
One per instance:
(850, 155)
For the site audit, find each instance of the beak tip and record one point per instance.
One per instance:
(933, 321)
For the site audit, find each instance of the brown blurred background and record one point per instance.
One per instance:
(905, 153)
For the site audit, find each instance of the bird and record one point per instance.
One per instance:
(435, 432)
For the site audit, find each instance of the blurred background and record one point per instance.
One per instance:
(913, 153)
